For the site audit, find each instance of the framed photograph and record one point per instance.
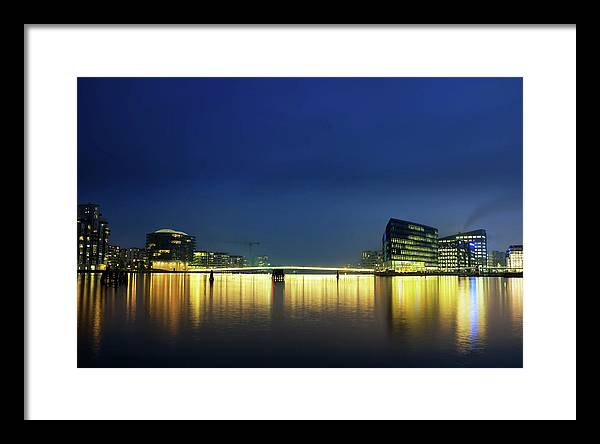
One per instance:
(308, 208)
(279, 222)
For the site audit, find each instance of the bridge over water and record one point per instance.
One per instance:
(285, 268)
(348, 270)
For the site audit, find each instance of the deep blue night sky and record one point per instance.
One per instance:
(312, 168)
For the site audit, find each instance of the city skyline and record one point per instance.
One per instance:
(379, 249)
(407, 246)
(311, 168)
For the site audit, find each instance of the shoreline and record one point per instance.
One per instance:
(376, 274)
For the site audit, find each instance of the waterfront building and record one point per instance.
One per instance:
(216, 259)
(514, 257)
(134, 259)
(113, 256)
(371, 259)
(409, 246)
(169, 249)
(497, 259)
(454, 254)
(262, 261)
(464, 250)
(92, 237)
(200, 259)
(236, 261)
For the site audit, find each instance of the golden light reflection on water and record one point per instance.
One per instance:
(315, 294)
(237, 299)
(453, 307)
(514, 296)
(403, 315)
(167, 300)
(90, 310)
(175, 299)
(132, 298)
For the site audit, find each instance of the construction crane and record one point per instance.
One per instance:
(250, 245)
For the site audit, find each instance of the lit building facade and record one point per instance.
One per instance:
(409, 246)
(170, 249)
(454, 254)
(132, 259)
(514, 257)
(236, 261)
(200, 259)
(371, 259)
(464, 250)
(262, 261)
(92, 238)
(113, 256)
(216, 259)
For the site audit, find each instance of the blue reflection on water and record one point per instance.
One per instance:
(474, 312)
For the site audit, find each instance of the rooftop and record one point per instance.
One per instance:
(480, 232)
(168, 230)
(394, 220)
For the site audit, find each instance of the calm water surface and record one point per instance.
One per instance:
(245, 320)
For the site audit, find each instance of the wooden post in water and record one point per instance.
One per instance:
(278, 275)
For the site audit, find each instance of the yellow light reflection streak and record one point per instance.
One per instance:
(317, 295)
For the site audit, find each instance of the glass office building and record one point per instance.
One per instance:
(454, 254)
(371, 259)
(200, 259)
(409, 246)
(170, 249)
(463, 250)
(216, 259)
(514, 257)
